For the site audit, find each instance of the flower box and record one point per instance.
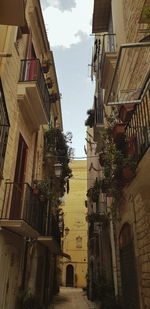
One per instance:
(126, 112)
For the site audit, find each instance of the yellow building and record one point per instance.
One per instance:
(75, 230)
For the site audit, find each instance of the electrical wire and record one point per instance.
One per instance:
(75, 158)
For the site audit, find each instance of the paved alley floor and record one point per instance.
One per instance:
(71, 298)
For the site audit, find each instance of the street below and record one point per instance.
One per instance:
(69, 298)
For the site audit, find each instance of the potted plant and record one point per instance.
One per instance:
(44, 189)
(126, 111)
(93, 192)
(118, 131)
(49, 82)
(46, 65)
(36, 190)
(102, 158)
(128, 169)
(132, 146)
(90, 120)
(54, 97)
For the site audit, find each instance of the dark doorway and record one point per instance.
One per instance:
(128, 269)
(69, 275)
(17, 193)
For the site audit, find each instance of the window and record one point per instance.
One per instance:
(4, 128)
(79, 242)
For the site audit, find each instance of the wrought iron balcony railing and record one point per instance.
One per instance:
(138, 128)
(31, 71)
(21, 204)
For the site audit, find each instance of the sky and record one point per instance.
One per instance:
(68, 26)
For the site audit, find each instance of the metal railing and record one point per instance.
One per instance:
(138, 128)
(21, 204)
(31, 71)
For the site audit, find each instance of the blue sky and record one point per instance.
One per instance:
(68, 24)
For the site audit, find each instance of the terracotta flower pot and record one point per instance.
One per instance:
(36, 191)
(118, 132)
(127, 174)
(45, 68)
(42, 198)
(126, 112)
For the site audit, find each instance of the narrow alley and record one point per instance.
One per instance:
(70, 298)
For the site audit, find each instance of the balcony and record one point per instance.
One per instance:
(101, 14)
(32, 94)
(144, 18)
(98, 128)
(138, 128)
(130, 74)
(12, 12)
(50, 235)
(22, 212)
(108, 58)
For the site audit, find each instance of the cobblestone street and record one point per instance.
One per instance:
(70, 298)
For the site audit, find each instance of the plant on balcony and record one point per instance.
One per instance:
(93, 192)
(126, 111)
(118, 132)
(56, 144)
(132, 146)
(46, 65)
(91, 116)
(44, 189)
(49, 82)
(54, 96)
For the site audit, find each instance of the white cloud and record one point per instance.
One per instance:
(60, 4)
(65, 27)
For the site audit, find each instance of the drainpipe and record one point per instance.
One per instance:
(25, 258)
(113, 251)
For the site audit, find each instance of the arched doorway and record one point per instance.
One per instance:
(69, 275)
(128, 269)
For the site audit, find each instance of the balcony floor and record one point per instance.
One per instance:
(20, 227)
(31, 104)
(50, 242)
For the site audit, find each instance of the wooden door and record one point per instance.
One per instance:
(18, 186)
(128, 269)
(69, 275)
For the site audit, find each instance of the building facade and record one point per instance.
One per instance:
(74, 271)
(30, 129)
(119, 127)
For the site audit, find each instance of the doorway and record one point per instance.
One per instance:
(128, 269)
(18, 186)
(69, 275)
